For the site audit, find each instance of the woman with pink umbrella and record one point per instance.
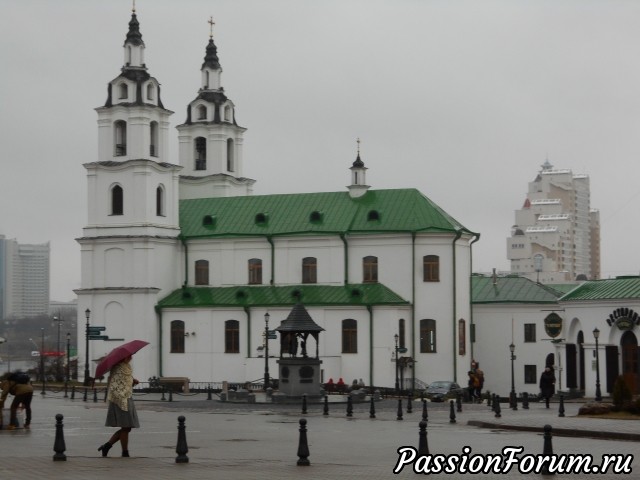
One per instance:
(122, 410)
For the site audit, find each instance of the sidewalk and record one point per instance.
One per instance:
(260, 441)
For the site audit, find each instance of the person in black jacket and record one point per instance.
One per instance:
(547, 384)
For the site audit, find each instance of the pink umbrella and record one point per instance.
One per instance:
(118, 354)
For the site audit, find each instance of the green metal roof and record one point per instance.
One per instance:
(405, 210)
(609, 289)
(510, 289)
(251, 296)
(563, 287)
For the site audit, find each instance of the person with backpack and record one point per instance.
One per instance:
(17, 384)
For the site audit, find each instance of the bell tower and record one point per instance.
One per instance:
(211, 140)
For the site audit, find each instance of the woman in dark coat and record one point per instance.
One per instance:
(547, 384)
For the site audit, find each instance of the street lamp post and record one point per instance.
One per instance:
(44, 377)
(514, 399)
(266, 350)
(58, 320)
(396, 338)
(87, 314)
(596, 335)
(67, 376)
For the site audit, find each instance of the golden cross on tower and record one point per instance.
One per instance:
(211, 24)
(358, 140)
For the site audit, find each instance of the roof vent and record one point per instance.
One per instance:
(315, 217)
(262, 219)
(373, 215)
(209, 221)
(296, 294)
(356, 292)
(241, 295)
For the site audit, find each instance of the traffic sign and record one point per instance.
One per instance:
(98, 337)
(95, 330)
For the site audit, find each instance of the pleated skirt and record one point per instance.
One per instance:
(116, 417)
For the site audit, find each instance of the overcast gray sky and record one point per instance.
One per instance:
(463, 100)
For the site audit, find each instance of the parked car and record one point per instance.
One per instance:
(442, 390)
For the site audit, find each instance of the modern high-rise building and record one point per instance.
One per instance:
(24, 278)
(556, 235)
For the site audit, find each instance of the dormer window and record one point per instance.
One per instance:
(261, 219)
(124, 91)
(373, 215)
(202, 112)
(315, 217)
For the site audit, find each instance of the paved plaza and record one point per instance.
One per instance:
(257, 441)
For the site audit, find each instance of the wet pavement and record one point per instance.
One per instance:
(256, 441)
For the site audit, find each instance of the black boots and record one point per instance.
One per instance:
(105, 449)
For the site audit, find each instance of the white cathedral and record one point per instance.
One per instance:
(182, 255)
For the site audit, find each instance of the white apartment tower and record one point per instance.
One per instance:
(24, 279)
(556, 235)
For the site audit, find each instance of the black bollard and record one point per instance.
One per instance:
(496, 403)
(489, 398)
(410, 403)
(452, 412)
(209, 392)
(163, 398)
(84, 395)
(326, 405)
(66, 394)
(423, 446)
(95, 395)
(303, 446)
(372, 410)
(73, 392)
(304, 404)
(547, 450)
(513, 400)
(459, 402)
(181, 447)
(58, 445)
(399, 417)
(171, 395)
(561, 410)
(349, 406)
(425, 414)
(525, 401)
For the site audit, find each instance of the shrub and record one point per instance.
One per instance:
(621, 394)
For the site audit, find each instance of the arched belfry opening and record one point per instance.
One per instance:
(299, 368)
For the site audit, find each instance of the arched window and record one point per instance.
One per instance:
(160, 201)
(201, 153)
(227, 113)
(124, 91)
(309, 270)
(202, 272)
(129, 55)
(206, 82)
(427, 336)
(431, 264)
(255, 271)
(120, 130)
(153, 139)
(349, 336)
(117, 200)
(401, 333)
(202, 112)
(232, 336)
(177, 336)
(370, 269)
(150, 91)
(230, 154)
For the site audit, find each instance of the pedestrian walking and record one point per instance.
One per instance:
(547, 384)
(16, 384)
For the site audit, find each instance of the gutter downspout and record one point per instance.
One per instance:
(159, 312)
(343, 237)
(273, 259)
(472, 326)
(370, 308)
(413, 308)
(455, 311)
(186, 260)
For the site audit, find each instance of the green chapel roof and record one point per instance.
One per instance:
(510, 289)
(608, 289)
(287, 295)
(377, 211)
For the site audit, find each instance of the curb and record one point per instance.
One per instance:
(560, 432)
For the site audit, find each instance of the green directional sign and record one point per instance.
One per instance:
(98, 337)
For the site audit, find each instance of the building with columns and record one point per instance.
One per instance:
(179, 252)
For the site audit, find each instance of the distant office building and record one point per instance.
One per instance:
(24, 279)
(556, 235)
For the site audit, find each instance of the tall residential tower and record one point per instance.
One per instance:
(556, 235)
